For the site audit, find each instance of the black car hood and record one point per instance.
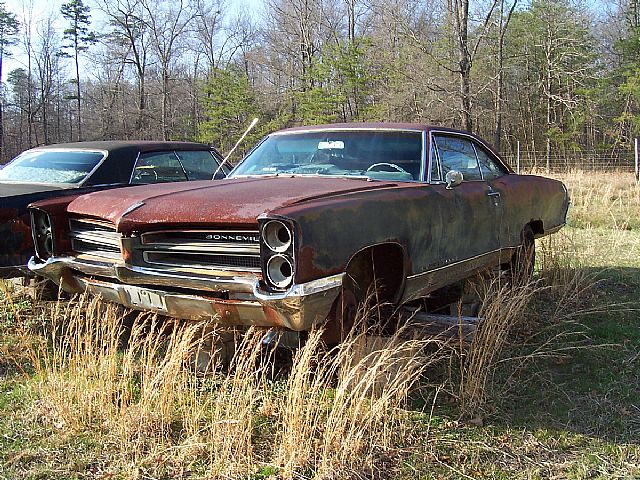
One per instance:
(14, 189)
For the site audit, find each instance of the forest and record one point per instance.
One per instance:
(560, 77)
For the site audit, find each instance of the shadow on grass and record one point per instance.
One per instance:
(583, 375)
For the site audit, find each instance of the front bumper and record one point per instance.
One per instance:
(229, 300)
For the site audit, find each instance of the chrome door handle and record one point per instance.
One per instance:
(493, 193)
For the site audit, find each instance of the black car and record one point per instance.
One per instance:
(75, 168)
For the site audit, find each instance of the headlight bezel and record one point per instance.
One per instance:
(275, 248)
(42, 233)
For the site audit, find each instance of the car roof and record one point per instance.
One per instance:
(139, 145)
(371, 126)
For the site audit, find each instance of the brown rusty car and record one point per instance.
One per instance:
(303, 227)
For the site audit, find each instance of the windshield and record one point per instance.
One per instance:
(378, 154)
(51, 166)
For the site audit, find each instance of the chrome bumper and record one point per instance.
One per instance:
(299, 308)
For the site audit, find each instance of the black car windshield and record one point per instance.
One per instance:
(379, 154)
(51, 166)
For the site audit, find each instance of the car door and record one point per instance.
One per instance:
(472, 210)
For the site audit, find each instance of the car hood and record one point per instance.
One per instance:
(230, 202)
(9, 189)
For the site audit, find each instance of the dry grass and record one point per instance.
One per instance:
(333, 411)
(606, 200)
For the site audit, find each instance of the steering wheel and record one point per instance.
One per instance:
(372, 168)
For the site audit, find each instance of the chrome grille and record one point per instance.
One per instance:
(95, 237)
(213, 249)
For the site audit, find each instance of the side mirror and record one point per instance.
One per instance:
(453, 179)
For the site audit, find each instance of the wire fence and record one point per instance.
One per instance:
(624, 162)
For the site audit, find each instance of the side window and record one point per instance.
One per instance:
(435, 171)
(199, 164)
(457, 154)
(158, 167)
(490, 168)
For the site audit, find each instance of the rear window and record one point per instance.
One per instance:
(51, 166)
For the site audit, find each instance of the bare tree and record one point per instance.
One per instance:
(168, 23)
(129, 37)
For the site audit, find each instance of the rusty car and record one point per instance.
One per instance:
(73, 168)
(303, 227)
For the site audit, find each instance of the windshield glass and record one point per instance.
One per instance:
(378, 154)
(51, 166)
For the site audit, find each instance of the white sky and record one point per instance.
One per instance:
(43, 8)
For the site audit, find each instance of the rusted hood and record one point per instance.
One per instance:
(223, 202)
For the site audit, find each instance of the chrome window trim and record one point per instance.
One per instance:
(477, 140)
(135, 164)
(466, 136)
(346, 129)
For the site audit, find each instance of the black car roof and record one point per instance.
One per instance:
(140, 145)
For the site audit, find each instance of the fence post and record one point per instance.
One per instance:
(636, 162)
(518, 158)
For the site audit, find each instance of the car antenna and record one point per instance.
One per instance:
(251, 125)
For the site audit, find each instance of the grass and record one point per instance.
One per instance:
(549, 388)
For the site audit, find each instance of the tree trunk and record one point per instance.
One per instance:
(464, 63)
(79, 120)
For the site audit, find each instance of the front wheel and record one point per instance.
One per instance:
(524, 259)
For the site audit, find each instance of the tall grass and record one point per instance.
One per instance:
(138, 393)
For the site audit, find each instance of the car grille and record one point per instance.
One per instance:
(95, 237)
(213, 249)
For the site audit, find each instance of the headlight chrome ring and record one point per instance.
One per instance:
(279, 271)
(277, 236)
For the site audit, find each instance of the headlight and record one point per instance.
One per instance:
(42, 232)
(277, 236)
(279, 271)
(277, 253)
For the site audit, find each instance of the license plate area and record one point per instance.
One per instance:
(146, 299)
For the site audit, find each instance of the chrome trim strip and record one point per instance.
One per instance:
(346, 129)
(428, 272)
(198, 248)
(110, 239)
(206, 266)
(301, 290)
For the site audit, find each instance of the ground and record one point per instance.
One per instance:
(561, 400)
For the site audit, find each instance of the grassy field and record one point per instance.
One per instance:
(550, 388)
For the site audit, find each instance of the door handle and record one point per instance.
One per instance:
(493, 193)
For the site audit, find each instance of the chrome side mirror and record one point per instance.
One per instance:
(453, 179)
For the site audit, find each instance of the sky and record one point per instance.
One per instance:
(43, 8)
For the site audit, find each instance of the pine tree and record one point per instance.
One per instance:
(79, 38)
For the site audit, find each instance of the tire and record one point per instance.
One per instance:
(341, 318)
(523, 261)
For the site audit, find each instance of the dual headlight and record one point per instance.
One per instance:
(278, 266)
(42, 232)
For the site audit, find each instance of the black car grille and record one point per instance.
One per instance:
(94, 237)
(212, 249)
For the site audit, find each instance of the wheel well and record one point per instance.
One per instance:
(537, 227)
(382, 265)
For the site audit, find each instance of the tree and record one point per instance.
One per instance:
(79, 39)
(8, 37)
(168, 23)
(229, 104)
(553, 52)
(129, 35)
